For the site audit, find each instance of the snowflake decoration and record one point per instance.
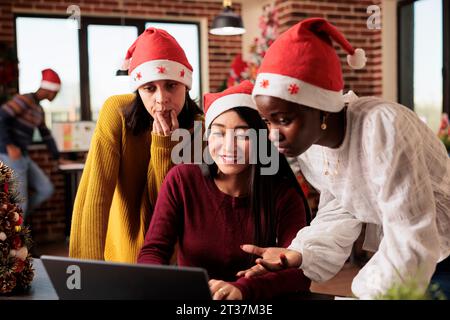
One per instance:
(293, 88)
(161, 69)
(264, 83)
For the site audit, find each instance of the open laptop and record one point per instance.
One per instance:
(92, 279)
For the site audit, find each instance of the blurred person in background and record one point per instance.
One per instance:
(19, 117)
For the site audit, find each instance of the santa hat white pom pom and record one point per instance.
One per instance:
(358, 59)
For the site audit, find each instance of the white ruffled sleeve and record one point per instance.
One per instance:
(326, 244)
(406, 205)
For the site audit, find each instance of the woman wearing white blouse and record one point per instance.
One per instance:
(373, 161)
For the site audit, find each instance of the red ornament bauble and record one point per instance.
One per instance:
(19, 265)
(17, 242)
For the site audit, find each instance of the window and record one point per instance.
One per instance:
(87, 59)
(421, 59)
(58, 50)
(428, 63)
(107, 45)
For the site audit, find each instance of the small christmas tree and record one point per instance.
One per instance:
(16, 272)
(238, 72)
(268, 24)
(242, 70)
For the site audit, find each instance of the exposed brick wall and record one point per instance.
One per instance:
(221, 49)
(48, 222)
(350, 17)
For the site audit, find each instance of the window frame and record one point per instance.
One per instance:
(405, 71)
(44, 16)
(85, 21)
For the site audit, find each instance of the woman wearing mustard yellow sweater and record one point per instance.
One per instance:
(130, 151)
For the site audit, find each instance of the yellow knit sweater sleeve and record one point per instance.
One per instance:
(160, 163)
(98, 182)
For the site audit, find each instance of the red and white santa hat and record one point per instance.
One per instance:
(237, 96)
(156, 55)
(50, 80)
(303, 67)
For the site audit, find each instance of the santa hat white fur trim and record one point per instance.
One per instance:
(298, 91)
(52, 86)
(150, 71)
(226, 103)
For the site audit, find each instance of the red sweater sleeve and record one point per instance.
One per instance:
(162, 233)
(291, 218)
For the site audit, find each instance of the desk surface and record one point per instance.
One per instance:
(42, 289)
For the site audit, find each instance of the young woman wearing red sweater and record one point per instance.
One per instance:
(210, 210)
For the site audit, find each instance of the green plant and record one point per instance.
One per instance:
(411, 290)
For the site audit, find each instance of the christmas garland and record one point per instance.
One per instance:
(16, 272)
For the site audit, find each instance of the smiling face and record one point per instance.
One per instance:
(163, 96)
(229, 143)
(298, 125)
